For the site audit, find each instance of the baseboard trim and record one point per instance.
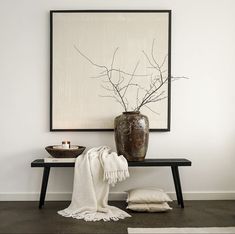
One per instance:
(116, 196)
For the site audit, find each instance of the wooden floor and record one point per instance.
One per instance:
(25, 218)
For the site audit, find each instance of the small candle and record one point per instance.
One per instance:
(65, 144)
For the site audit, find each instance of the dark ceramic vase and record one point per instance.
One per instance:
(131, 135)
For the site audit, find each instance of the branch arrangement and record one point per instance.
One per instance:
(117, 82)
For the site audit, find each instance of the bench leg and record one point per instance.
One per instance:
(45, 177)
(176, 177)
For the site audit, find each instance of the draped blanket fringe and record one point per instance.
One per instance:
(115, 176)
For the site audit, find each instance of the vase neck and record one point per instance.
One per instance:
(130, 112)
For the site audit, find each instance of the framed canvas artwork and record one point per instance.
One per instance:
(106, 62)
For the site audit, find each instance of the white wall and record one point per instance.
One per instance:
(203, 113)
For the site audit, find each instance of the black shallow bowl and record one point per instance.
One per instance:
(65, 153)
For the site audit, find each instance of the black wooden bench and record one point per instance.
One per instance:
(173, 163)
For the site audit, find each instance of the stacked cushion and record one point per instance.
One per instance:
(148, 200)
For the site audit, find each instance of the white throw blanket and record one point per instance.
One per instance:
(93, 173)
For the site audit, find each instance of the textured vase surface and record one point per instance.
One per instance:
(131, 135)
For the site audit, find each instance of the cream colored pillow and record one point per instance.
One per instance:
(147, 195)
(149, 207)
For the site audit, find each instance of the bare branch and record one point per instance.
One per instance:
(113, 61)
(152, 110)
(131, 78)
(124, 87)
(106, 88)
(147, 97)
(118, 81)
(89, 60)
(137, 97)
(114, 57)
(127, 103)
(173, 78)
(107, 72)
(116, 99)
(159, 99)
(127, 73)
(155, 98)
(152, 54)
(164, 60)
(148, 59)
(99, 76)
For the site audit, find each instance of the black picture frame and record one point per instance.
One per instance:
(52, 12)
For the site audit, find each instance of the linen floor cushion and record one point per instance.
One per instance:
(147, 195)
(149, 207)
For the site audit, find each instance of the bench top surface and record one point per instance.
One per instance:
(151, 162)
